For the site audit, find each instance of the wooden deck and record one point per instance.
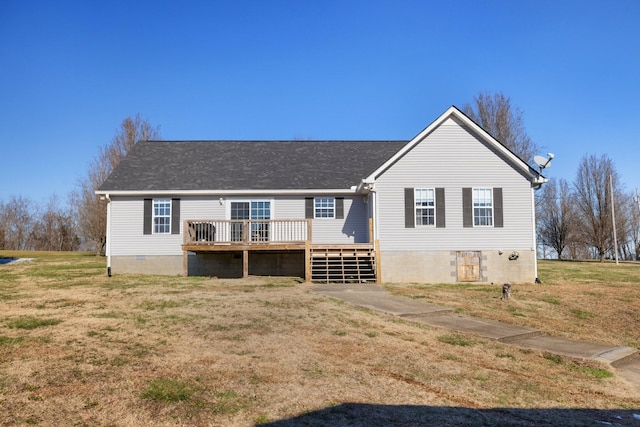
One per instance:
(323, 262)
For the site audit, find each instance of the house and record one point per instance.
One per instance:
(450, 205)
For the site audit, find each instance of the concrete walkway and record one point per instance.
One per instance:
(625, 360)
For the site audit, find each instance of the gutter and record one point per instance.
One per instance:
(301, 192)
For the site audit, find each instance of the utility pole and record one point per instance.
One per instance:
(637, 200)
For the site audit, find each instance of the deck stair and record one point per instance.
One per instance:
(343, 264)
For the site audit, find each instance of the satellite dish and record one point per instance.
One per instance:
(541, 161)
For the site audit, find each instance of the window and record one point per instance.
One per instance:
(425, 206)
(483, 207)
(254, 211)
(324, 207)
(161, 216)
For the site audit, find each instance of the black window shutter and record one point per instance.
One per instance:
(440, 218)
(498, 220)
(175, 216)
(409, 208)
(308, 207)
(148, 219)
(339, 207)
(467, 207)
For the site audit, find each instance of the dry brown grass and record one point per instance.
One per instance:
(589, 301)
(148, 350)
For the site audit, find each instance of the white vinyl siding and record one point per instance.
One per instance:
(353, 228)
(127, 238)
(453, 158)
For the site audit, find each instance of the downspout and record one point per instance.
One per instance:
(374, 212)
(108, 245)
(533, 226)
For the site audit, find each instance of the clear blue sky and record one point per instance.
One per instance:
(70, 71)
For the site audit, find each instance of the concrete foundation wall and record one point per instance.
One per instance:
(219, 264)
(229, 264)
(224, 265)
(441, 266)
(272, 263)
(149, 264)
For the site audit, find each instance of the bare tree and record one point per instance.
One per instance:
(634, 223)
(54, 228)
(91, 211)
(556, 215)
(629, 228)
(495, 114)
(592, 192)
(17, 220)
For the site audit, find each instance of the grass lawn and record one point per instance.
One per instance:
(79, 348)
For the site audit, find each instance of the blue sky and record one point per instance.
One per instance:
(70, 71)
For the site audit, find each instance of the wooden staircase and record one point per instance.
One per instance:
(343, 264)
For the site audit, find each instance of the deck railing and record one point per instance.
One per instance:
(261, 231)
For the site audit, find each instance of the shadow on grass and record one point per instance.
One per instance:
(359, 414)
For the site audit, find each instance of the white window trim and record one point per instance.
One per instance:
(154, 216)
(228, 202)
(473, 207)
(315, 208)
(416, 207)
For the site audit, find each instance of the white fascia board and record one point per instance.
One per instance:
(301, 192)
(453, 111)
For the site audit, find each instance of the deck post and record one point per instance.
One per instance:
(370, 230)
(307, 261)
(245, 264)
(185, 263)
(378, 263)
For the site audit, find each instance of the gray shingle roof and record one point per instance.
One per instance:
(248, 165)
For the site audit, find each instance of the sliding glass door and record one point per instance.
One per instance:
(254, 211)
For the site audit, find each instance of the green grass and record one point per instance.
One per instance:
(454, 339)
(596, 373)
(6, 341)
(160, 305)
(554, 358)
(582, 314)
(168, 390)
(551, 300)
(30, 322)
(587, 272)
(228, 402)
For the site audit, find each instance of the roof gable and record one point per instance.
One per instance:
(454, 112)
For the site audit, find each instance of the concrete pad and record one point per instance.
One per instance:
(617, 355)
(375, 299)
(629, 370)
(572, 348)
(489, 329)
(338, 287)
